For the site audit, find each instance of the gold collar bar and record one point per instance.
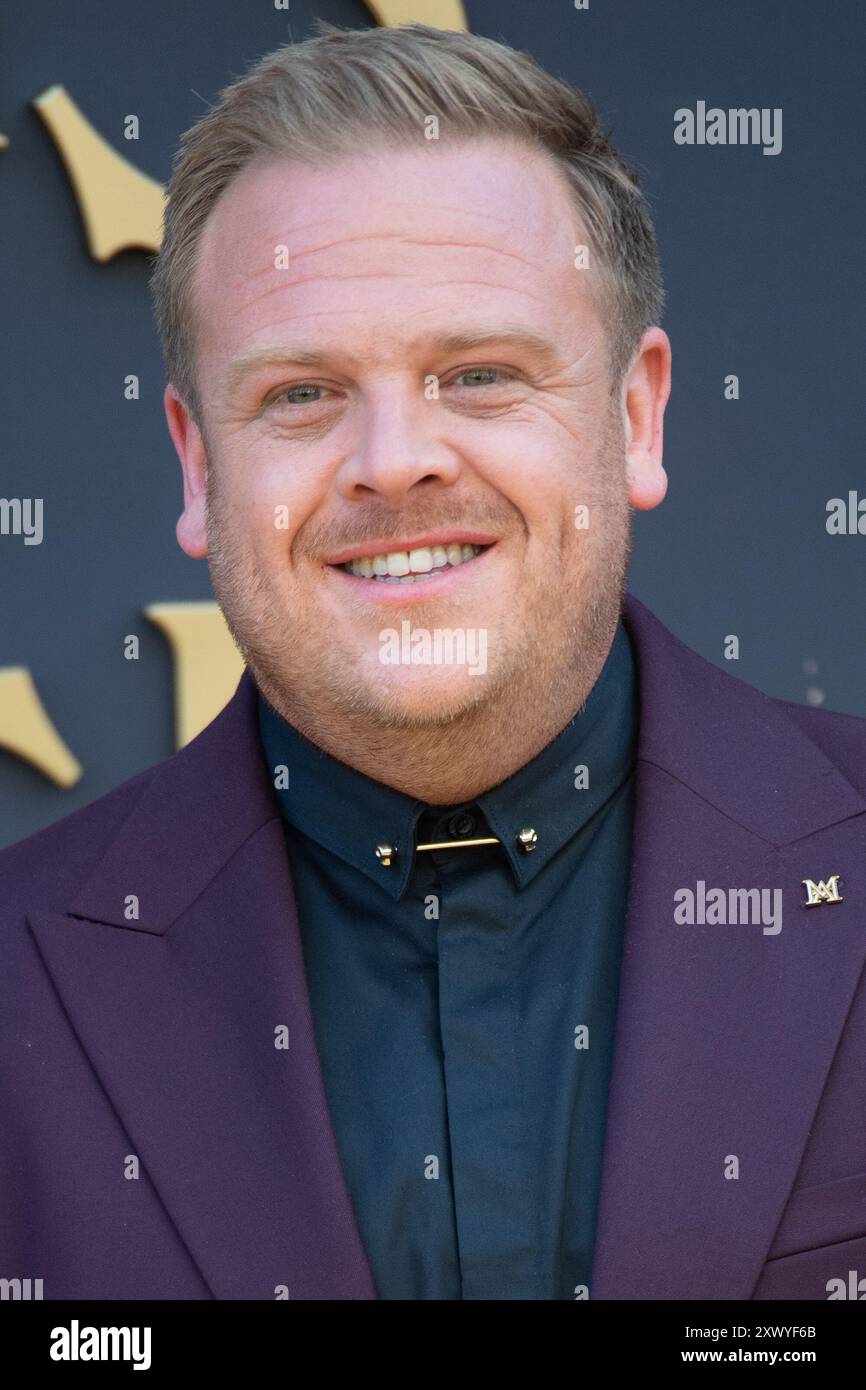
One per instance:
(527, 839)
(452, 844)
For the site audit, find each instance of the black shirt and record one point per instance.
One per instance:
(464, 1000)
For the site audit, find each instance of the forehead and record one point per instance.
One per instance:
(387, 240)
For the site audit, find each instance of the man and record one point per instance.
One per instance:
(466, 953)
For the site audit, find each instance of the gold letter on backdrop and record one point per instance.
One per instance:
(121, 206)
(27, 732)
(441, 14)
(207, 664)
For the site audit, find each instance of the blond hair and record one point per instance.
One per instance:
(324, 96)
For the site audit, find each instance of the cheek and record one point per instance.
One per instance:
(266, 509)
(515, 466)
(545, 490)
(535, 460)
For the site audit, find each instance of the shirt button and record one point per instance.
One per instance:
(461, 824)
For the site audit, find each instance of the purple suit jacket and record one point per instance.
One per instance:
(153, 1040)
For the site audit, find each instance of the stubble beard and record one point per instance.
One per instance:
(545, 671)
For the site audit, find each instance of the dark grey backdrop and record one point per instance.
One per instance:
(763, 259)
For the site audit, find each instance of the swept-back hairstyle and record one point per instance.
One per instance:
(344, 90)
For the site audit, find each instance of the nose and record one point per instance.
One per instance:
(397, 446)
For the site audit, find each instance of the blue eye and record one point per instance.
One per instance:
(485, 371)
(293, 391)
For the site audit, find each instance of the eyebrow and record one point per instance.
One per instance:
(459, 341)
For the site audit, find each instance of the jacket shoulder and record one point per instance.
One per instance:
(842, 737)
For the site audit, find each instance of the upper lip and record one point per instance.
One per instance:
(423, 542)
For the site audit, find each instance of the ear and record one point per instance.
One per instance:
(645, 393)
(186, 436)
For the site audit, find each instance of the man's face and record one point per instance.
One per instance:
(401, 367)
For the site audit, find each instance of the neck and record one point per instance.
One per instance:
(446, 764)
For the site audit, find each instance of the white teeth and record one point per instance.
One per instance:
(403, 567)
(398, 564)
(420, 561)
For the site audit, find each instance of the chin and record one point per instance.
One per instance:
(417, 703)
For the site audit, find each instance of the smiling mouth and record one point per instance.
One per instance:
(412, 566)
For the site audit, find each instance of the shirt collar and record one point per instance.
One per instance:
(350, 814)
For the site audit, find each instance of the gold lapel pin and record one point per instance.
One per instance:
(821, 892)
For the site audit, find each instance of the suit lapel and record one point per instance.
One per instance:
(180, 1012)
(725, 1033)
